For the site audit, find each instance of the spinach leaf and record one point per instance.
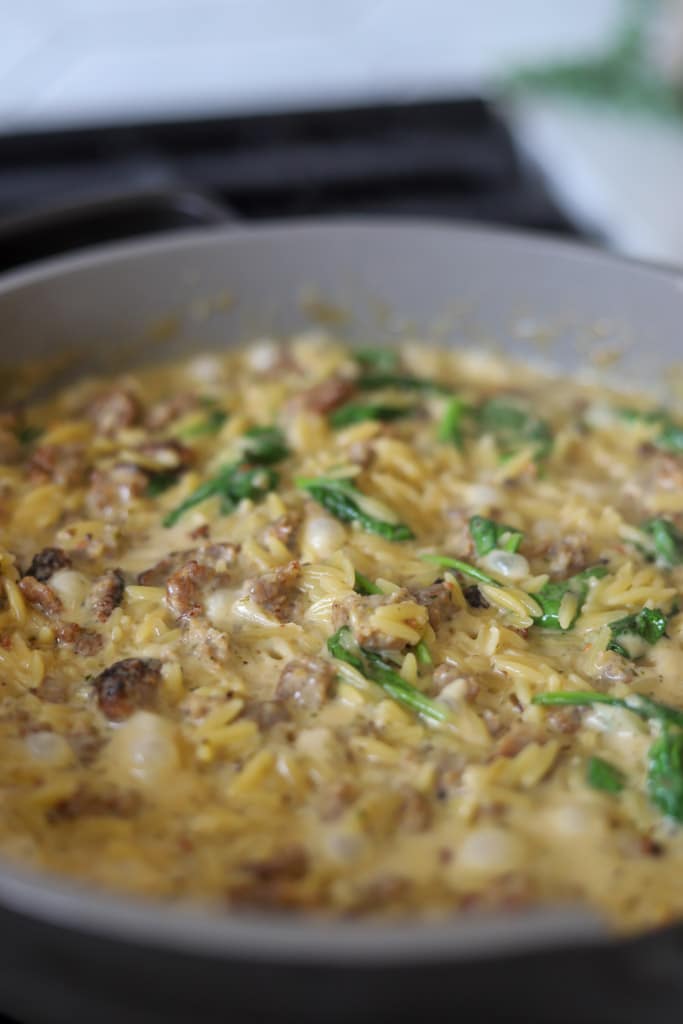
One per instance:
(265, 445)
(358, 412)
(401, 382)
(160, 482)
(670, 436)
(604, 776)
(665, 756)
(648, 625)
(644, 707)
(451, 426)
(667, 540)
(665, 774)
(380, 360)
(211, 424)
(345, 501)
(550, 596)
(514, 427)
(365, 586)
(29, 434)
(488, 535)
(422, 653)
(232, 483)
(463, 567)
(343, 646)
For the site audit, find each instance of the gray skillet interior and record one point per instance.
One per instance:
(531, 297)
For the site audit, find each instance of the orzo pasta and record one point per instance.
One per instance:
(345, 631)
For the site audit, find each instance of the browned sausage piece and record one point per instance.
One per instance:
(63, 464)
(328, 394)
(47, 562)
(84, 641)
(113, 410)
(169, 409)
(183, 589)
(113, 488)
(290, 864)
(107, 593)
(88, 803)
(357, 611)
(437, 600)
(275, 591)
(307, 681)
(126, 686)
(40, 595)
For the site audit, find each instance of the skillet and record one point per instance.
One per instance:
(71, 955)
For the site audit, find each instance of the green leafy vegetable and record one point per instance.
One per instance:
(603, 775)
(365, 586)
(422, 654)
(665, 774)
(160, 482)
(629, 633)
(345, 501)
(343, 646)
(667, 541)
(232, 484)
(551, 594)
(265, 445)
(665, 756)
(451, 425)
(381, 360)
(463, 567)
(357, 412)
(402, 382)
(644, 707)
(26, 435)
(488, 535)
(514, 427)
(670, 436)
(250, 477)
(211, 424)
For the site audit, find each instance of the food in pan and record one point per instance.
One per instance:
(345, 631)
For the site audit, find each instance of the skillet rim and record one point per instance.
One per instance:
(273, 938)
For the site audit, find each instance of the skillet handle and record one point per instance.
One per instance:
(103, 218)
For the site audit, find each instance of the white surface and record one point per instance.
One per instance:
(620, 174)
(78, 61)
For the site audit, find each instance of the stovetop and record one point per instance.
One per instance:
(448, 159)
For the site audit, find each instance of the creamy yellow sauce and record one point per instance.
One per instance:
(233, 758)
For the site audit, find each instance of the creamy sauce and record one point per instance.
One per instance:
(173, 721)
